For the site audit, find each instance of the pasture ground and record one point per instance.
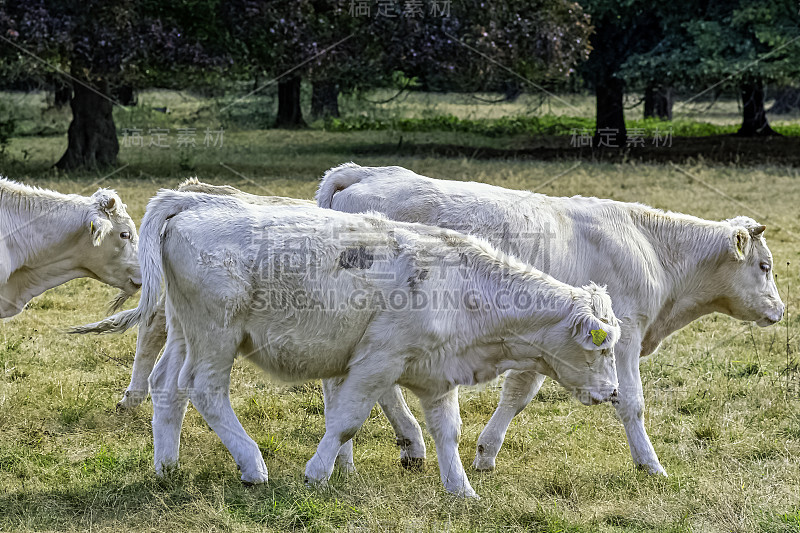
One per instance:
(723, 396)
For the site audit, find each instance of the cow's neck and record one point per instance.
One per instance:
(40, 241)
(36, 224)
(516, 296)
(490, 333)
(688, 249)
(26, 283)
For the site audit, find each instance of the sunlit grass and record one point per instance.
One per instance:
(723, 396)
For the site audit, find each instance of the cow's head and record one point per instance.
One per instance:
(749, 288)
(580, 350)
(111, 254)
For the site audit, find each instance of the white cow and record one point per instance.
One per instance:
(307, 293)
(48, 238)
(663, 270)
(152, 337)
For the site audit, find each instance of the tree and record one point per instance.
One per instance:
(541, 39)
(658, 101)
(273, 36)
(100, 46)
(506, 42)
(623, 28)
(737, 45)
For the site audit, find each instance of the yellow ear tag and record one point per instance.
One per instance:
(91, 226)
(598, 336)
(739, 249)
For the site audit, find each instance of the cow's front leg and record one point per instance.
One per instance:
(169, 405)
(149, 341)
(630, 408)
(519, 389)
(444, 424)
(347, 406)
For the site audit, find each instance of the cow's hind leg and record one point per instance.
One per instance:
(149, 341)
(344, 457)
(169, 403)
(444, 424)
(406, 429)
(207, 377)
(519, 389)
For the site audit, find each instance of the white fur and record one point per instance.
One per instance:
(663, 269)
(217, 270)
(49, 238)
(152, 334)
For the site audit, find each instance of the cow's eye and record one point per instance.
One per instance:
(765, 266)
(125, 235)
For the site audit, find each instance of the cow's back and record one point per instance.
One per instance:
(576, 240)
(283, 281)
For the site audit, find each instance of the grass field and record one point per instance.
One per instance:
(723, 396)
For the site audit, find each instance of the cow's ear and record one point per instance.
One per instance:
(106, 200)
(594, 334)
(99, 227)
(739, 244)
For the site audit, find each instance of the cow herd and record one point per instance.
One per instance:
(390, 279)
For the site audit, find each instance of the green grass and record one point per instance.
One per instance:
(723, 396)
(539, 126)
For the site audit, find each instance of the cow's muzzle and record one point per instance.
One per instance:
(772, 317)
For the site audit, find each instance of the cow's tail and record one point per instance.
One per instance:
(337, 179)
(163, 206)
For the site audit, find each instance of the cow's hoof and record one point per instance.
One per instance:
(654, 470)
(467, 494)
(249, 483)
(484, 461)
(254, 478)
(347, 468)
(483, 464)
(315, 483)
(257, 479)
(166, 469)
(130, 400)
(414, 464)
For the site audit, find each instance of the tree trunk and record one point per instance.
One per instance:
(658, 102)
(787, 100)
(754, 120)
(324, 99)
(126, 95)
(62, 94)
(289, 113)
(610, 127)
(92, 137)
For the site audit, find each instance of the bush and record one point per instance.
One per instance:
(544, 125)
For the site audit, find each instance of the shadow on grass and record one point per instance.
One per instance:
(720, 149)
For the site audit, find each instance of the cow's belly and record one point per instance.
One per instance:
(305, 345)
